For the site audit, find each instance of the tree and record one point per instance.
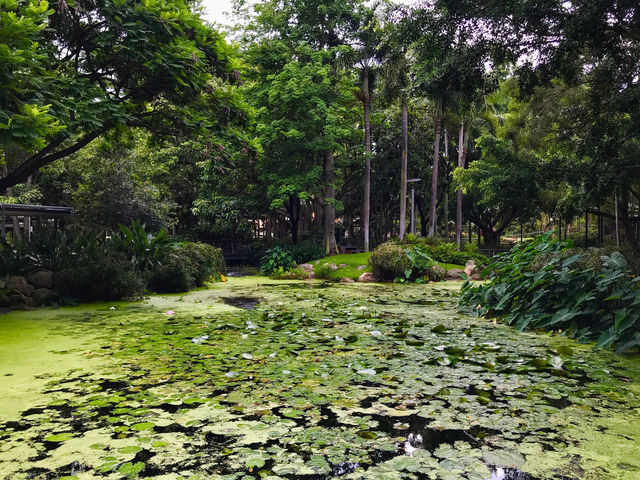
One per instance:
(501, 186)
(297, 48)
(100, 66)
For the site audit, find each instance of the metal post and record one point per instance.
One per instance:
(586, 229)
(617, 234)
(413, 213)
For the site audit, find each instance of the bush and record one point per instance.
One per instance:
(185, 266)
(293, 274)
(389, 261)
(276, 258)
(109, 276)
(445, 252)
(305, 252)
(324, 271)
(548, 284)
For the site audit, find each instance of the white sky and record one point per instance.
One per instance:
(216, 9)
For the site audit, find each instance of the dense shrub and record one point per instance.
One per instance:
(389, 260)
(306, 251)
(274, 259)
(324, 271)
(445, 252)
(548, 284)
(185, 266)
(109, 276)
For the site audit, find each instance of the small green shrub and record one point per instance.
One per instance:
(143, 248)
(293, 274)
(106, 277)
(185, 266)
(275, 258)
(389, 260)
(324, 271)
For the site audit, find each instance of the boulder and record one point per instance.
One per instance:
(476, 276)
(311, 275)
(333, 267)
(347, 280)
(369, 277)
(17, 300)
(43, 295)
(24, 289)
(361, 267)
(306, 267)
(454, 274)
(342, 265)
(470, 268)
(41, 279)
(17, 280)
(437, 272)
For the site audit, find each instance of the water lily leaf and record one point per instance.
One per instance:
(368, 435)
(130, 449)
(138, 427)
(367, 371)
(131, 469)
(59, 437)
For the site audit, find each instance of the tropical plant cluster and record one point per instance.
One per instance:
(547, 284)
(89, 265)
(416, 259)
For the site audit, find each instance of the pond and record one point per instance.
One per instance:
(306, 380)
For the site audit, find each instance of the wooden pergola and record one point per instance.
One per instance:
(15, 212)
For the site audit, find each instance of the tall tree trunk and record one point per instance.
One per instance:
(366, 201)
(403, 168)
(329, 237)
(446, 186)
(434, 178)
(423, 218)
(294, 217)
(462, 157)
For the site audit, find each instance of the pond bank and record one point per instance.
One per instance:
(308, 381)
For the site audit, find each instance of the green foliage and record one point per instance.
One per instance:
(276, 258)
(107, 276)
(144, 249)
(545, 284)
(306, 251)
(185, 266)
(390, 261)
(292, 274)
(423, 266)
(324, 271)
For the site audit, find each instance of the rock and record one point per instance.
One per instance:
(437, 272)
(306, 267)
(41, 279)
(361, 267)
(17, 280)
(342, 265)
(454, 274)
(333, 267)
(43, 295)
(311, 275)
(476, 277)
(16, 300)
(24, 289)
(470, 268)
(347, 280)
(369, 277)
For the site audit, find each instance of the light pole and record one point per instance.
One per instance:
(413, 201)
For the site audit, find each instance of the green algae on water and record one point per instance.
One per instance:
(316, 381)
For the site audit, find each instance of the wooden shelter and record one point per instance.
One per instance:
(17, 218)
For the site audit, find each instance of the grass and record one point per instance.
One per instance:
(352, 261)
